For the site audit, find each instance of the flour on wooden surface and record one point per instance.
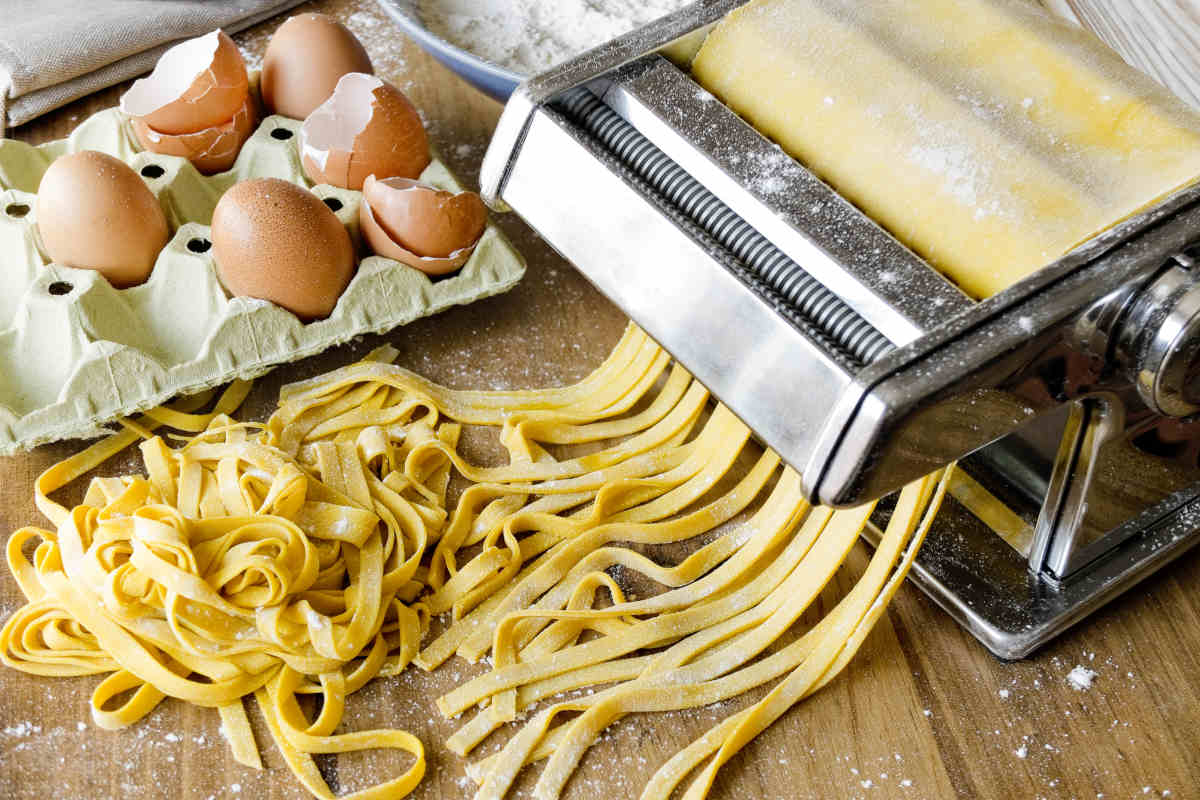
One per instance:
(1081, 678)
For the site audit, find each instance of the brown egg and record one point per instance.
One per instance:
(367, 127)
(420, 225)
(197, 84)
(277, 241)
(304, 61)
(94, 212)
(211, 150)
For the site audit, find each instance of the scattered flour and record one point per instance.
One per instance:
(528, 36)
(362, 21)
(22, 729)
(1081, 678)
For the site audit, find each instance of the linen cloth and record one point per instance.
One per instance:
(56, 51)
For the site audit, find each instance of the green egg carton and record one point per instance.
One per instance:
(76, 353)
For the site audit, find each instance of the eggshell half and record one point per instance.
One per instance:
(367, 127)
(198, 84)
(211, 150)
(307, 56)
(277, 241)
(95, 212)
(419, 225)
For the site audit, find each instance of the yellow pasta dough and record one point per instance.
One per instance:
(305, 556)
(986, 136)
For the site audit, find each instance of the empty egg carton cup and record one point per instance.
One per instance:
(76, 352)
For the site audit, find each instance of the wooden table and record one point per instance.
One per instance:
(923, 712)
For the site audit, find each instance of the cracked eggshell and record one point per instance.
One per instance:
(277, 241)
(198, 84)
(419, 225)
(211, 150)
(367, 127)
(95, 212)
(306, 58)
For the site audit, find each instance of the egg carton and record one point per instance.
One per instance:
(75, 352)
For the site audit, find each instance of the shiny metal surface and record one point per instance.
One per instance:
(672, 218)
(593, 65)
(901, 416)
(885, 282)
(1141, 458)
(663, 276)
(1160, 342)
(789, 288)
(992, 365)
(1093, 422)
(987, 587)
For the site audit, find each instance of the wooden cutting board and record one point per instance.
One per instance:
(923, 712)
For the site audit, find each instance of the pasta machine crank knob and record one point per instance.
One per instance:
(1152, 331)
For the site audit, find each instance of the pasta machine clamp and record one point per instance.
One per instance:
(1064, 399)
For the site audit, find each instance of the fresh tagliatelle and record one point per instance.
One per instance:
(306, 555)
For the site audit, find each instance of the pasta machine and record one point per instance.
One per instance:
(1065, 399)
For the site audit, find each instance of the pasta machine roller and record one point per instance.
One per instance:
(1065, 398)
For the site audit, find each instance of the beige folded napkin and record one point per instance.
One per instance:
(55, 51)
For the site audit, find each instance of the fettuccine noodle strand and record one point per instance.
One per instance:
(306, 556)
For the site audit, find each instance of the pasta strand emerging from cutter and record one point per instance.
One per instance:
(305, 556)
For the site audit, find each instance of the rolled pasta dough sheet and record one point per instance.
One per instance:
(985, 135)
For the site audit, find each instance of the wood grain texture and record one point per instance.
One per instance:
(1159, 37)
(923, 712)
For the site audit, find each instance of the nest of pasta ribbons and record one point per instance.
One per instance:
(305, 557)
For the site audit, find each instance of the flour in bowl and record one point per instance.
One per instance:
(529, 36)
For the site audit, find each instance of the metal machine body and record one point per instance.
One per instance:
(860, 364)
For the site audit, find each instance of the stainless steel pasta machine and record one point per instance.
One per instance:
(1066, 398)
